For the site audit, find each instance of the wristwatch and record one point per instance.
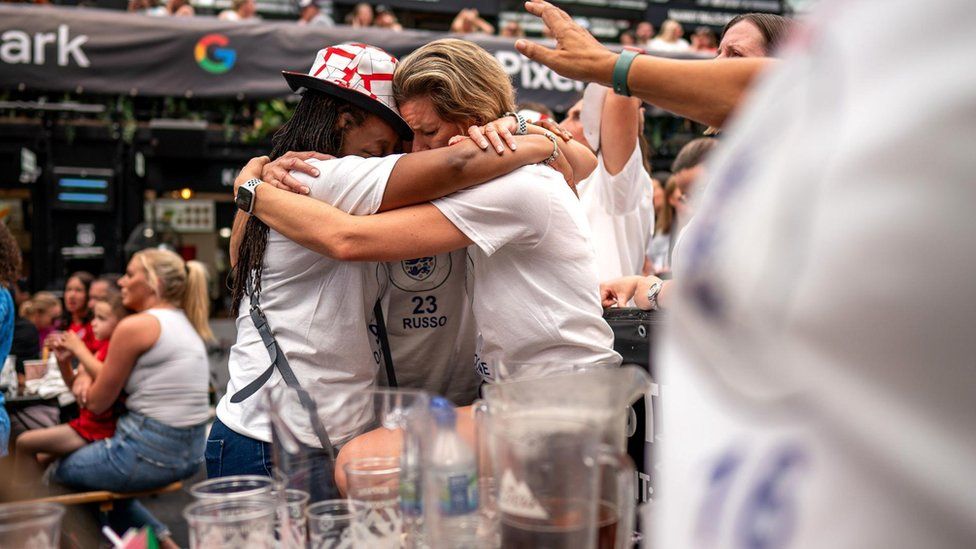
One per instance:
(653, 291)
(245, 195)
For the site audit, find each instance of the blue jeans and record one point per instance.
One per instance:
(144, 454)
(231, 453)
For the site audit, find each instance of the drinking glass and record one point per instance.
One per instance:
(292, 528)
(237, 486)
(336, 524)
(31, 525)
(232, 522)
(375, 481)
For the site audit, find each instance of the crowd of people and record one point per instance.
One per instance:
(426, 229)
(126, 406)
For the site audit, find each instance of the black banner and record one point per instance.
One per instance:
(103, 51)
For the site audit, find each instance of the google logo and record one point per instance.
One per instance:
(221, 58)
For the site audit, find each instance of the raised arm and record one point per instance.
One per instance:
(132, 337)
(619, 126)
(706, 91)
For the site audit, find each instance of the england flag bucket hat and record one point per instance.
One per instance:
(358, 73)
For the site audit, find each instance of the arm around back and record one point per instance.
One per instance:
(133, 336)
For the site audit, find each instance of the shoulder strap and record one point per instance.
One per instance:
(279, 361)
(384, 343)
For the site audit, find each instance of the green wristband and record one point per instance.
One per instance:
(620, 70)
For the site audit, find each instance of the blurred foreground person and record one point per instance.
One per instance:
(819, 388)
(831, 407)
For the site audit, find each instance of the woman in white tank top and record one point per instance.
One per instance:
(158, 358)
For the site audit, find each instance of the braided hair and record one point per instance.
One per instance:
(313, 127)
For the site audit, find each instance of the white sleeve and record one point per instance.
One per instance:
(513, 209)
(352, 184)
(621, 193)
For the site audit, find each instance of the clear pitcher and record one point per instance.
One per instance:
(596, 394)
(548, 469)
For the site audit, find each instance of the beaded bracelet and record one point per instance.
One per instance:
(555, 149)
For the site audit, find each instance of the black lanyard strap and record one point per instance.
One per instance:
(279, 361)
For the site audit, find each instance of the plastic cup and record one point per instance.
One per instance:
(34, 525)
(336, 524)
(238, 486)
(232, 522)
(292, 529)
(35, 369)
(375, 481)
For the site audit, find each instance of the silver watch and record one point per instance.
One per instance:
(653, 291)
(245, 195)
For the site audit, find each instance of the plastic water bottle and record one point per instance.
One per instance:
(454, 474)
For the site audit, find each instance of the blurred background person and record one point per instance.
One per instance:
(704, 41)
(361, 16)
(386, 19)
(511, 29)
(679, 195)
(627, 38)
(658, 260)
(670, 38)
(102, 288)
(40, 447)
(468, 21)
(179, 8)
(43, 310)
(643, 34)
(617, 195)
(240, 10)
(311, 12)
(753, 35)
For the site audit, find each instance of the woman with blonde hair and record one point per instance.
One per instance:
(158, 357)
(43, 310)
(670, 38)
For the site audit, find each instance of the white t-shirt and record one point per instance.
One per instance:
(430, 325)
(620, 210)
(659, 251)
(818, 380)
(318, 309)
(536, 293)
(678, 45)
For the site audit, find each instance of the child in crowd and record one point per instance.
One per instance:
(40, 446)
